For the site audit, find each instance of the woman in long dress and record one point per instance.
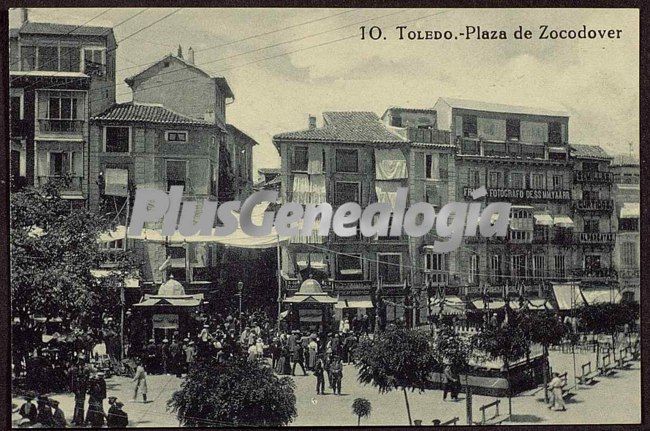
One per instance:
(140, 380)
(313, 350)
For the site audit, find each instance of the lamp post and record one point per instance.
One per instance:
(240, 287)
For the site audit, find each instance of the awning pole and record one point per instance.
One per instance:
(279, 270)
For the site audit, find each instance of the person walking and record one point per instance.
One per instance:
(97, 392)
(448, 383)
(319, 372)
(140, 380)
(555, 386)
(190, 354)
(337, 374)
(313, 351)
(298, 359)
(79, 380)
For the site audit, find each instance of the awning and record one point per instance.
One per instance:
(390, 164)
(557, 149)
(453, 305)
(387, 191)
(176, 301)
(601, 295)
(563, 221)
(539, 304)
(320, 299)
(563, 295)
(543, 219)
(630, 210)
(118, 233)
(495, 304)
(354, 302)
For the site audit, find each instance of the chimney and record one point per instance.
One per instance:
(312, 122)
(180, 52)
(190, 55)
(24, 15)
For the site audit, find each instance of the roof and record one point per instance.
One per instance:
(219, 80)
(414, 110)
(625, 160)
(588, 152)
(62, 29)
(346, 126)
(476, 105)
(240, 136)
(132, 112)
(269, 170)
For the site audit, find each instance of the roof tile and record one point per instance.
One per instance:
(588, 152)
(130, 112)
(58, 29)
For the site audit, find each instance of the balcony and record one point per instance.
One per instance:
(597, 238)
(594, 205)
(595, 273)
(428, 136)
(563, 239)
(60, 127)
(593, 177)
(64, 183)
(629, 273)
(352, 286)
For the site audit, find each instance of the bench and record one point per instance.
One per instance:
(586, 377)
(453, 421)
(605, 365)
(492, 420)
(625, 357)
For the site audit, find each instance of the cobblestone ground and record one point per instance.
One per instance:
(612, 399)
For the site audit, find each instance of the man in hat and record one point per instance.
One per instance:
(28, 410)
(79, 380)
(58, 415)
(175, 358)
(151, 352)
(190, 354)
(97, 392)
(44, 417)
(117, 418)
(110, 417)
(336, 368)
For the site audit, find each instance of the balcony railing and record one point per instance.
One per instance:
(62, 182)
(595, 273)
(629, 273)
(593, 177)
(563, 239)
(597, 237)
(429, 136)
(60, 126)
(594, 205)
(353, 286)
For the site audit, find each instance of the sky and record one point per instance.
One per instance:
(319, 63)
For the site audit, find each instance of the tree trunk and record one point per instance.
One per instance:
(509, 389)
(597, 354)
(468, 400)
(408, 407)
(358, 420)
(545, 372)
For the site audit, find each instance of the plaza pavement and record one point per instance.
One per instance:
(615, 399)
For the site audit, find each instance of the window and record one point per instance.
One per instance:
(537, 181)
(16, 108)
(389, 267)
(396, 121)
(300, 159)
(69, 59)
(474, 179)
(347, 192)
(554, 133)
(560, 270)
(59, 164)
(590, 166)
(472, 277)
(628, 224)
(592, 262)
(349, 267)
(94, 61)
(176, 171)
(443, 166)
(494, 179)
(117, 139)
(558, 182)
(519, 236)
(28, 58)
(347, 160)
(539, 266)
(48, 58)
(469, 126)
(628, 255)
(495, 267)
(428, 166)
(591, 226)
(435, 265)
(516, 180)
(177, 264)
(518, 265)
(512, 129)
(62, 108)
(118, 244)
(174, 136)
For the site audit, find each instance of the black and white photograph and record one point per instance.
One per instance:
(315, 216)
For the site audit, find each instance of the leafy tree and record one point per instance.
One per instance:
(396, 359)
(53, 250)
(507, 342)
(236, 392)
(543, 328)
(362, 408)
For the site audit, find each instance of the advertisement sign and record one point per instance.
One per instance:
(529, 194)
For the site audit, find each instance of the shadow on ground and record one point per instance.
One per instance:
(525, 419)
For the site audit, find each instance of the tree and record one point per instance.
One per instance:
(362, 408)
(506, 342)
(396, 359)
(236, 392)
(455, 350)
(53, 250)
(546, 329)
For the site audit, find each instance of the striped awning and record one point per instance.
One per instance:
(563, 221)
(543, 219)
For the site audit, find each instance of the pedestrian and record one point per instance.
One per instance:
(298, 359)
(274, 351)
(44, 417)
(58, 415)
(140, 380)
(28, 410)
(97, 393)
(555, 386)
(190, 354)
(152, 353)
(117, 418)
(319, 372)
(337, 374)
(313, 351)
(79, 379)
(165, 357)
(175, 358)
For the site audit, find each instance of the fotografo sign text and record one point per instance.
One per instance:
(452, 222)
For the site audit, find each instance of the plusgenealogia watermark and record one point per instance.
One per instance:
(453, 221)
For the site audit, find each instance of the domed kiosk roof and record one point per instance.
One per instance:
(311, 291)
(310, 287)
(171, 288)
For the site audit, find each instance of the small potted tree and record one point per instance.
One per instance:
(361, 407)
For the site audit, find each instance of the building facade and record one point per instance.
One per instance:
(60, 75)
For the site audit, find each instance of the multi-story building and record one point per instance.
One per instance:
(521, 156)
(269, 179)
(627, 211)
(352, 157)
(60, 75)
